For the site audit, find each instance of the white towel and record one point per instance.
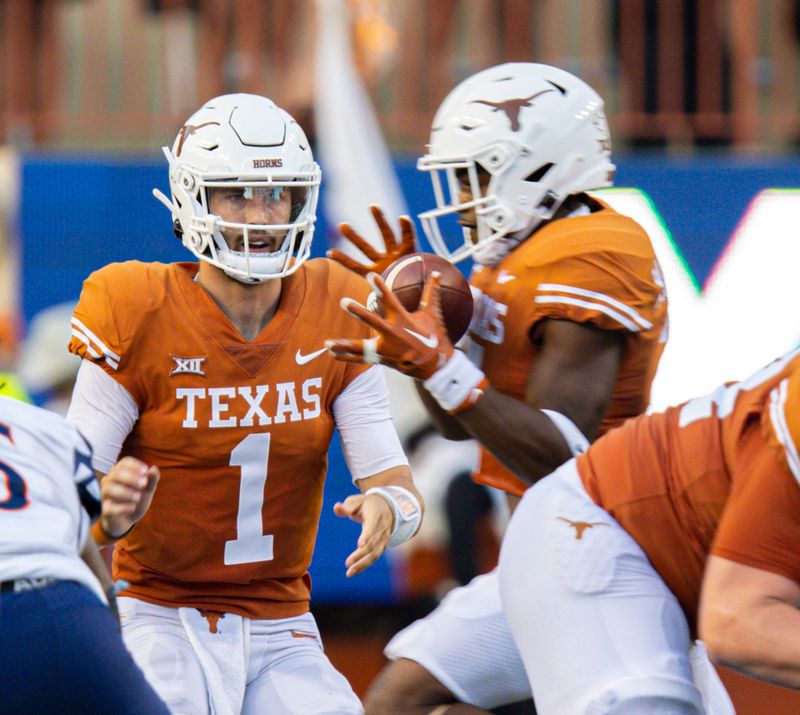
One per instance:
(223, 656)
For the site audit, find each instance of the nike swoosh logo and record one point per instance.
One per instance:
(303, 359)
(431, 341)
(505, 278)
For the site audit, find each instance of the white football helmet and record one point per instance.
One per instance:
(539, 132)
(247, 149)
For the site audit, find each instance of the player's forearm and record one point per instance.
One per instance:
(522, 437)
(91, 557)
(762, 642)
(447, 425)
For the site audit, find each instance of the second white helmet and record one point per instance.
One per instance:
(243, 149)
(538, 132)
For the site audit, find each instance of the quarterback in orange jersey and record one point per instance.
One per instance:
(568, 327)
(681, 522)
(216, 372)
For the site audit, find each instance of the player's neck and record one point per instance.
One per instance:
(248, 306)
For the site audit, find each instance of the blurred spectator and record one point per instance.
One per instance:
(675, 60)
(159, 5)
(178, 19)
(10, 383)
(46, 367)
(28, 41)
(8, 340)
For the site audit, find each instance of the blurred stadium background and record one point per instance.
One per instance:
(702, 98)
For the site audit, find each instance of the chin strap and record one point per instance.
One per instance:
(458, 384)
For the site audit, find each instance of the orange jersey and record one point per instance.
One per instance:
(719, 474)
(598, 269)
(240, 430)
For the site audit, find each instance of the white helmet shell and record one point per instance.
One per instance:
(242, 141)
(539, 132)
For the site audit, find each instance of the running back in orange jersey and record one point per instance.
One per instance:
(222, 416)
(599, 269)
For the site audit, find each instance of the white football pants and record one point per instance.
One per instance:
(597, 628)
(466, 645)
(234, 665)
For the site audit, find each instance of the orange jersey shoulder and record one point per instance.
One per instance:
(115, 304)
(598, 269)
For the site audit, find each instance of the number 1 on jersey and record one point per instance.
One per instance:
(250, 544)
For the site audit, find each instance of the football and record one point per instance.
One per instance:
(406, 279)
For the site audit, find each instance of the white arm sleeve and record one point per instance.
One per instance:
(104, 411)
(575, 439)
(369, 440)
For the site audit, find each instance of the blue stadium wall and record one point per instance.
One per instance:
(78, 214)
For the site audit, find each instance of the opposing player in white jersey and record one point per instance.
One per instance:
(60, 645)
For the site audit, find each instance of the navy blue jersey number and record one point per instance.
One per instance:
(16, 489)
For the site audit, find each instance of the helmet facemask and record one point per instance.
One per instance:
(253, 252)
(467, 188)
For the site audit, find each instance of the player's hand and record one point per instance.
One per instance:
(376, 519)
(126, 491)
(392, 249)
(415, 343)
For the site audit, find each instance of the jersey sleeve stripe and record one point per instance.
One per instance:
(91, 341)
(619, 305)
(85, 340)
(777, 413)
(629, 324)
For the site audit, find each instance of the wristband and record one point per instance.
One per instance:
(458, 384)
(406, 509)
